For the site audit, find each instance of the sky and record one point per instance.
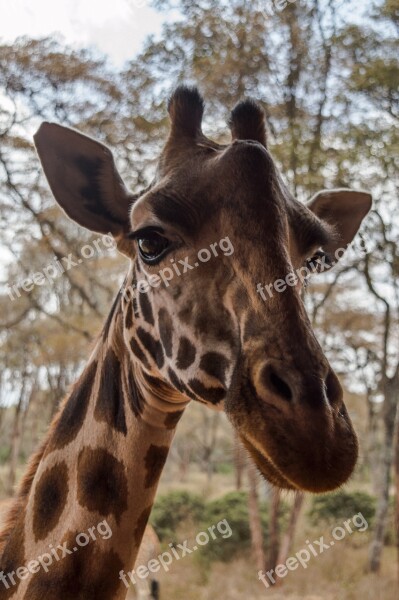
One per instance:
(116, 27)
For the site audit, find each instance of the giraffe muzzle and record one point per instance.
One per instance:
(296, 427)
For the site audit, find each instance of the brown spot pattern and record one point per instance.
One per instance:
(154, 463)
(218, 325)
(166, 331)
(186, 354)
(129, 316)
(110, 403)
(75, 410)
(172, 419)
(179, 385)
(215, 364)
(102, 483)
(213, 395)
(116, 307)
(134, 397)
(135, 307)
(146, 309)
(12, 558)
(91, 573)
(142, 524)
(153, 347)
(137, 351)
(50, 499)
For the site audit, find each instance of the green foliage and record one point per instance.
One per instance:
(4, 454)
(335, 508)
(174, 508)
(234, 508)
(224, 468)
(178, 512)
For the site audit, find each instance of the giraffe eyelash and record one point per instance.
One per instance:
(134, 235)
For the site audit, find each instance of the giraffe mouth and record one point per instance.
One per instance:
(292, 457)
(267, 468)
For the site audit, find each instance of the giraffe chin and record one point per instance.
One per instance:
(267, 469)
(313, 484)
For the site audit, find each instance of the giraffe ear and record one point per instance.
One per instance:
(344, 210)
(83, 178)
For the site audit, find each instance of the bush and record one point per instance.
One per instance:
(174, 508)
(4, 455)
(234, 508)
(334, 508)
(224, 468)
(180, 514)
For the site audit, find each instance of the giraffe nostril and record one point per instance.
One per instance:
(273, 381)
(333, 389)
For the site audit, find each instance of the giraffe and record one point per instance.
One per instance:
(206, 336)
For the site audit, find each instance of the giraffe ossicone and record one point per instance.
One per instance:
(207, 337)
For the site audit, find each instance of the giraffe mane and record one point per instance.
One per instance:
(25, 486)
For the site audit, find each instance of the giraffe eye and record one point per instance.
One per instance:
(320, 262)
(152, 246)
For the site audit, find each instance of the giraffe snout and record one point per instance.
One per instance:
(282, 384)
(294, 424)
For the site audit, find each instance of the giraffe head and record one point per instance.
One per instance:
(217, 222)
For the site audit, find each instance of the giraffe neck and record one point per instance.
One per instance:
(96, 475)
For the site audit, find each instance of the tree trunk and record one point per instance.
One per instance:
(211, 431)
(15, 441)
(288, 538)
(239, 462)
(397, 493)
(255, 522)
(389, 414)
(373, 446)
(274, 530)
(184, 463)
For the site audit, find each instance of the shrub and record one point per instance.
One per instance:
(334, 508)
(224, 468)
(4, 455)
(234, 508)
(173, 509)
(180, 514)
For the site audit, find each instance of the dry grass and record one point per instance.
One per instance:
(337, 575)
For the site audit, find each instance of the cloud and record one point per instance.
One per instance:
(117, 28)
